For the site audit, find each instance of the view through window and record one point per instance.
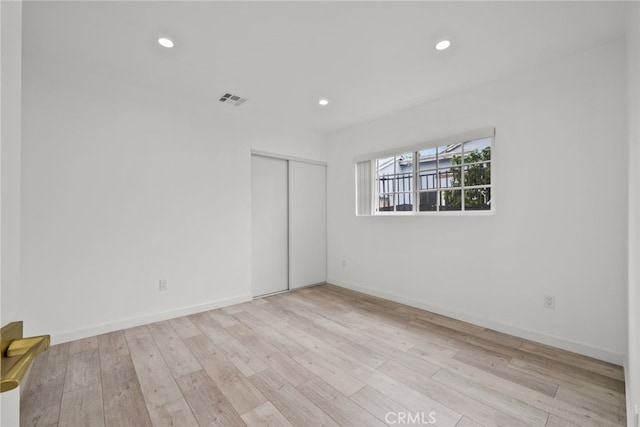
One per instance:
(453, 177)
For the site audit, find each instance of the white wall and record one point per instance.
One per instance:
(10, 155)
(633, 77)
(10, 69)
(123, 187)
(560, 191)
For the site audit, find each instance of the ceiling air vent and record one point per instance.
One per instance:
(231, 99)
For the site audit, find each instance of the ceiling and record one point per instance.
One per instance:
(367, 58)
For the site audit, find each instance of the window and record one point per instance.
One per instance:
(450, 175)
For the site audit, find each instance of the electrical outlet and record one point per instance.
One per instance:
(549, 301)
(163, 284)
(344, 263)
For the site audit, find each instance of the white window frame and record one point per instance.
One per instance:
(366, 205)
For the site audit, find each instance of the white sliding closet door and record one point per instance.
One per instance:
(269, 220)
(307, 224)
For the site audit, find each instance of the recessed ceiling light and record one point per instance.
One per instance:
(165, 42)
(323, 102)
(443, 44)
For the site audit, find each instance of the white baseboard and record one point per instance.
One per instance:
(76, 334)
(633, 416)
(627, 392)
(562, 343)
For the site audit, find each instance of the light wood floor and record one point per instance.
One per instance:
(318, 356)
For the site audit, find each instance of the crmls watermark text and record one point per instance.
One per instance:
(410, 418)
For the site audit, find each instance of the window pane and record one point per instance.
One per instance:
(404, 163)
(427, 180)
(427, 159)
(386, 202)
(404, 182)
(449, 155)
(428, 201)
(386, 184)
(395, 202)
(404, 202)
(451, 200)
(450, 177)
(477, 199)
(477, 174)
(447, 150)
(478, 150)
(432, 179)
(385, 166)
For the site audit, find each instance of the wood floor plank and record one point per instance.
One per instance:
(49, 371)
(613, 410)
(291, 332)
(156, 381)
(410, 360)
(468, 422)
(184, 327)
(209, 405)
(350, 341)
(116, 370)
(366, 352)
(233, 309)
(223, 318)
(123, 400)
(77, 346)
(538, 383)
(210, 328)
(265, 415)
(378, 404)
(42, 396)
(312, 319)
(483, 356)
(592, 384)
(41, 408)
(555, 421)
(524, 394)
(413, 400)
(520, 357)
(314, 356)
(288, 368)
(413, 312)
(451, 398)
(245, 306)
(240, 392)
(514, 408)
(112, 346)
(344, 411)
(247, 362)
(401, 336)
(82, 406)
(123, 403)
(295, 407)
(593, 365)
(173, 414)
(282, 364)
(465, 327)
(176, 355)
(275, 338)
(342, 381)
(83, 369)
(251, 340)
(394, 337)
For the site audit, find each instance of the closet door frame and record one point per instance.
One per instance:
(269, 225)
(300, 160)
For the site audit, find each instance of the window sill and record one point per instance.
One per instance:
(444, 213)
